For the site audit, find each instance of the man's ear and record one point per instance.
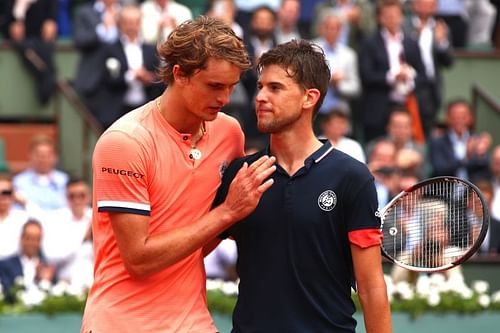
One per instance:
(311, 98)
(179, 76)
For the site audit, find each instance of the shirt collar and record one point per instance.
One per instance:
(388, 36)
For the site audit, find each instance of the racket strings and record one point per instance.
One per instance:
(433, 225)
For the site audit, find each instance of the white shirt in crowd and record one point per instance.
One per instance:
(10, 232)
(63, 245)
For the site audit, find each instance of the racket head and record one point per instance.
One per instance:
(434, 225)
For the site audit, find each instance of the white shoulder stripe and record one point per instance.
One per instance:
(123, 204)
(324, 154)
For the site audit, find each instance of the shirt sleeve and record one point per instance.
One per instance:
(120, 175)
(362, 212)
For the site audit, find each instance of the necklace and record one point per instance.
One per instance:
(194, 153)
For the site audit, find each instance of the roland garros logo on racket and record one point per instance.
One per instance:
(327, 200)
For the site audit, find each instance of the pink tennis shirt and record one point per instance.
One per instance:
(141, 165)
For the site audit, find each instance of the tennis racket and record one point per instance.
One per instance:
(434, 225)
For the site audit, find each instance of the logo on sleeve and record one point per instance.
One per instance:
(122, 172)
(327, 200)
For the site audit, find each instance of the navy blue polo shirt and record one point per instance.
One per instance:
(294, 258)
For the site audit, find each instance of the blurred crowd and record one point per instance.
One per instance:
(383, 106)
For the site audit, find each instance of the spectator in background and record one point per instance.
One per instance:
(391, 69)
(31, 27)
(226, 11)
(41, 183)
(221, 262)
(306, 18)
(491, 243)
(238, 104)
(246, 9)
(288, 16)
(495, 35)
(382, 165)
(335, 127)
(28, 264)
(460, 152)
(356, 16)
(67, 236)
(11, 219)
(453, 12)
(258, 39)
(409, 154)
(436, 51)
(96, 24)
(342, 60)
(481, 15)
(128, 67)
(160, 17)
(495, 179)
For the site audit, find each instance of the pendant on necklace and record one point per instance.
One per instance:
(195, 154)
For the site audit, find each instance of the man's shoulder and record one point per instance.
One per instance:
(13, 260)
(134, 124)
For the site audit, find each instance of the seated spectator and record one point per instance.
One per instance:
(286, 25)
(67, 236)
(221, 262)
(335, 127)
(491, 243)
(31, 27)
(11, 219)
(28, 264)
(495, 180)
(42, 184)
(382, 165)
(409, 154)
(128, 78)
(342, 60)
(460, 152)
(160, 17)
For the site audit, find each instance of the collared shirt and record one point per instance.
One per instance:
(425, 42)
(46, 191)
(142, 165)
(394, 47)
(10, 232)
(460, 150)
(135, 94)
(395, 51)
(296, 244)
(63, 236)
(29, 266)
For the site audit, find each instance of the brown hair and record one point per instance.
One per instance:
(41, 140)
(387, 3)
(304, 62)
(192, 43)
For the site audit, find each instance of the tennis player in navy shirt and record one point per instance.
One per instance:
(315, 233)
